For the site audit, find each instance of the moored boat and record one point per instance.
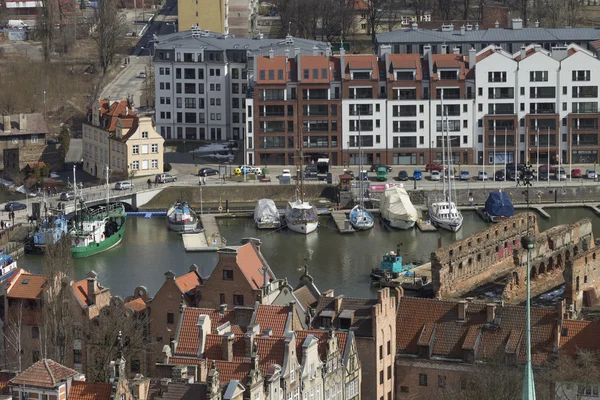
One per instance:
(498, 207)
(396, 209)
(52, 229)
(181, 217)
(7, 266)
(390, 265)
(266, 214)
(301, 217)
(360, 218)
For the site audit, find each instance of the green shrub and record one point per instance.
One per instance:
(167, 167)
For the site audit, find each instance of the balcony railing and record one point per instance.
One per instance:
(271, 114)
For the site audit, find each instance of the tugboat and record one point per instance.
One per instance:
(97, 229)
(390, 267)
(7, 266)
(181, 217)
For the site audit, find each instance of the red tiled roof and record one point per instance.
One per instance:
(250, 264)
(320, 335)
(528, 52)
(272, 317)
(188, 282)
(137, 305)
(214, 347)
(188, 334)
(44, 373)
(232, 370)
(90, 391)
(80, 289)
(270, 351)
(362, 322)
(317, 63)
(27, 286)
(275, 64)
(579, 335)
(449, 61)
(405, 61)
(451, 335)
(305, 296)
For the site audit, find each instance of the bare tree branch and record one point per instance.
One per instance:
(13, 338)
(109, 28)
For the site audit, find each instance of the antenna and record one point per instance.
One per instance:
(289, 28)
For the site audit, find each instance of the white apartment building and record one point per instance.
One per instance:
(201, 82)
(540, 102)
(364, 120)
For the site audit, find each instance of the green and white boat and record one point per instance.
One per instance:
(98, 228)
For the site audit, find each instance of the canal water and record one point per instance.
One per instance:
(337, 261)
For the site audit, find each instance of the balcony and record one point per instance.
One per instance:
(585, 124)
(585, 140)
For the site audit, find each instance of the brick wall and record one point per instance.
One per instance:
(580, 274)
(421, 379)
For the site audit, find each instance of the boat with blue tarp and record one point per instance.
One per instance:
(498, 207)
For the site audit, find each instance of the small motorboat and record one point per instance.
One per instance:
(266, 214)
(390, 267)
(498, 207)
(181, 217)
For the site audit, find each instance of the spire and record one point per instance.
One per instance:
(119, 346)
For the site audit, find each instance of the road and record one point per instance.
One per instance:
(75, 153)
(128, 81)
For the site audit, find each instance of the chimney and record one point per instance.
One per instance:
(271, 54)
(342, 64)
(22, 122)
(227, 346)
(496, 24)
(426, 51)
(477, 26)
(6, 122)
(517, 24)
(462, 310)
(267, 332)
(385, 49)
(491, 313)
(537, 48)
(222, 309)
(462, 30)
(456, 50)
(287, 54)
(204, 328)
(537, 23)
(444, 49)
(415, 26)
(523, 52)
(472, 57)
(338, 303)
(91, 289)
(249, 339)
(315, 50)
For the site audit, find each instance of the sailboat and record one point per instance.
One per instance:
(444, 214)
(300, 215)
(360, 218)
(99, 228)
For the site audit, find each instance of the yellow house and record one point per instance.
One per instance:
(137, 150)
(208, 15)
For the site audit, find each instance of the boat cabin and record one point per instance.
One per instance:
(392, 262)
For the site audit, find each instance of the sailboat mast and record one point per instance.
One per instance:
(107, 190)
(443, 147)
(75, 193)
(449, 147)
(360, 187)
(301, 172)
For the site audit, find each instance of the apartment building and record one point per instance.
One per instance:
(414, 39)
(202, 81)
(536, 105)
(115, 136)
(232, 17)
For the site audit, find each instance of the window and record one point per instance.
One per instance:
(422, 379)
(135, 149)
(222, 298)
(77, 355)
(538, 76)
(135, 165)
(238, 300)
(170, 317)
(35, 332)
(154, 164)
(381, 377)
(581, 75)
(389, 347)
(227, 274)
(381, 352)
(34, 138)
(292, 373)
(389, 372)
(35, 355)
(403, 389)
(441, 381)
(144, 135)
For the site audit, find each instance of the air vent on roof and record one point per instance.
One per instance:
(25, 282)
(447, 28)
(469, 27)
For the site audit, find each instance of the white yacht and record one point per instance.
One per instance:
(301, 216)
(396, 209)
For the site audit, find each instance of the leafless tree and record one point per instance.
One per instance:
(109, 28)
(102, 338)
(13, 337)
(57, 316)
(569, 376)
(380, 12)
(46, 27)
(420, 7)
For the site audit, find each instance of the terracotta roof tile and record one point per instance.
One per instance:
(90, 391)
(186, 360)
(27, 286)
(321, 335)
(318, 63)
(80, 289)
(232, 370)
(184, 391)
(214, 347)
(137, 305)
(275, 64)
(44, 373)
(405, 61)
(514, 340)
(272, 317)
(426, 334)
(451, 335)
(471, 338)
(250, 264)
(188, 282)
(188, 334)
(270, 351)
(361, 62)
(579, 335)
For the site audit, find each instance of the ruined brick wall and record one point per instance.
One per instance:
(581, 273)
(463, 265)
(552, 250)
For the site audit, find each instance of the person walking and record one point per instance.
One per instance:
(149, 183)
(518, 181)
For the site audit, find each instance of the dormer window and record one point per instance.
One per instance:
(405, 75)
(325, 322)
(450, 75)
(144, 135)
(361, 75)
(346, 318)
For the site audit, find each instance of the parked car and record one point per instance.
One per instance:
(66, 196)
(250, 169)
(165, 178)
(511, 166)
(510, 175)
(433, 167)
(51, 141)
(482, 176)
(417, 175)
(499, 175)
(54, 175)
(142, 75)
(576, 173)
(465, 175)
(543, 174)
(591, 174)
(375, 167)
(434, 176)
(14, 206)
(124, 185)
(311, 170)
(207, 172)
(402, 175)
(560, 174)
